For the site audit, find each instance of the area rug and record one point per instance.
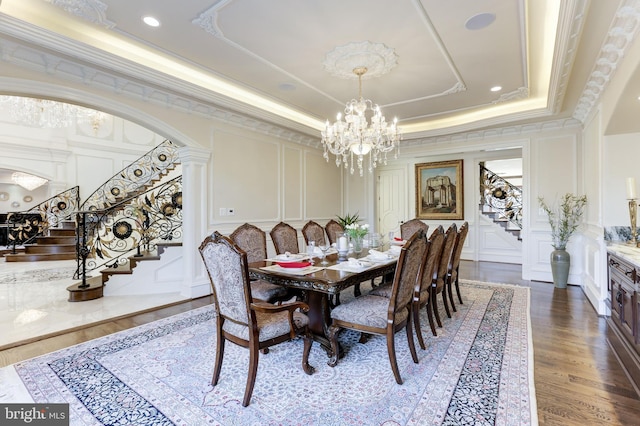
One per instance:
(478, 370)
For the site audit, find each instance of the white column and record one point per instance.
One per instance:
(195, 191)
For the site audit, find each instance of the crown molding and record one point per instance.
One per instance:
(622, 33)
(499, 132)
(33, 48)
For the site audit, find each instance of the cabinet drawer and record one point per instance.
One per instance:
(622, 269)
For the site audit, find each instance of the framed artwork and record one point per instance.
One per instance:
(439, 190)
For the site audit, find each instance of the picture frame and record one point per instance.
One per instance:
(440, 190)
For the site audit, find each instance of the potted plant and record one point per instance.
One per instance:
(348, 219)
(564, 220)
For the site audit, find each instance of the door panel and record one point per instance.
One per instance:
(392, 200)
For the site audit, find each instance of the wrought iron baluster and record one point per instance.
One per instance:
(501, 195)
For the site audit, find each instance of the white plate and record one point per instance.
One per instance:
(290, 257)
(379, 258)
(293, 270)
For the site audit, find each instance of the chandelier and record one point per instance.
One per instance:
(27, 181)
(363, 132)
(50, 114)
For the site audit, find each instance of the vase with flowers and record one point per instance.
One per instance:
(564, 220)
(356, 234)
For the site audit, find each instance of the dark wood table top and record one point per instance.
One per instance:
(329, 281)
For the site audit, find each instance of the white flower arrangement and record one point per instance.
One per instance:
(356, 230)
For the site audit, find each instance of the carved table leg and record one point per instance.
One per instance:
(320, 319)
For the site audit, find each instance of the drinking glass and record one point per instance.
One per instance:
(324, 248)
(311, 251)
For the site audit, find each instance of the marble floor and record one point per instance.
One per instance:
(33, 301)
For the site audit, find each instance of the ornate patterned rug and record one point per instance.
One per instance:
(478, 370)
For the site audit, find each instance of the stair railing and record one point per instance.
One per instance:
(106, 237)
(25, 226)
(135, 178)
(501, 196)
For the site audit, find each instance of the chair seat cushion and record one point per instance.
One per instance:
(367, 310)
(268, 292)
(270, 325)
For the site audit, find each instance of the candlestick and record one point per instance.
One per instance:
(342, 243)
(631, 188)
(633, 214)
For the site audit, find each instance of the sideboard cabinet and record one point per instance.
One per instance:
(623, 331)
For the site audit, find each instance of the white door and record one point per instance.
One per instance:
(392, 200)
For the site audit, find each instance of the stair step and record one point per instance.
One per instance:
(93, 291)
(5, 251)
(62, 232)
(24, 257)
(67, 224)
(50, 248)
(503, 222)
(56, 240)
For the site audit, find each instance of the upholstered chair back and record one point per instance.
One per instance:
(409, 263)
(333, 228)
(285, 238)
(443, 265)
(436, 245)
(252, 240)
(457, 250)
(312, 231)
(408, 228)
(228, 273)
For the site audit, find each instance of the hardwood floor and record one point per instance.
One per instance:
(577, 378)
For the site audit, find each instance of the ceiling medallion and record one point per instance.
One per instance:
(377, 58)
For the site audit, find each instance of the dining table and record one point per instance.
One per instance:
(317, 282)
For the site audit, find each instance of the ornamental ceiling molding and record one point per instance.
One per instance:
(93, 11)
(39, 60)
(507, 131)
(377, 58)
(185, 97)
(622, 33)
(520, 93)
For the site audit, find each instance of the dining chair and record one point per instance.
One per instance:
(408, 228)
(333, 228)
(285, 238)
(243, 321)
(371, 314)
(440, 277)
(253, 241)
(454, 265)
(422, 292)
(312, 231)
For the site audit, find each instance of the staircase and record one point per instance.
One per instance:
(135, 260)
(60, 244)
(500, 220)
(97, 284)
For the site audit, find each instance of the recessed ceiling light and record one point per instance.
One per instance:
(496, 88)
(479, 21)
(151, 21)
